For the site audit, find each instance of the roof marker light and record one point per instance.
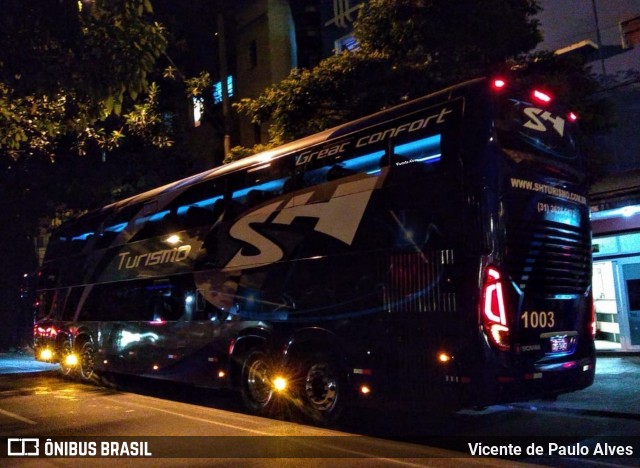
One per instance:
(498, 84)
(541, 96)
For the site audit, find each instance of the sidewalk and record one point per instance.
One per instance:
(614, 392)
(21, 363)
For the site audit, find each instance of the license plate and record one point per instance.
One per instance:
(559, 344)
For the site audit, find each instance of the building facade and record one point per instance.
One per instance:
(274, 36)
(607, 32)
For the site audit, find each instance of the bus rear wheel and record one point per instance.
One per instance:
(323, 390)
(87, 361)
(255, 385)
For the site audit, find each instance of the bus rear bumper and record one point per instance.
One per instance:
(546, 381)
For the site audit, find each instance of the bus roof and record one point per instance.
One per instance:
(288, 148)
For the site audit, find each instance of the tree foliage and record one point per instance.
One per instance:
(308, 101)
(67, 66)
(407, 48)
(448, 39)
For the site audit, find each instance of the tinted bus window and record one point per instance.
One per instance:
(72, 302)
(142, 300)
(72, 237)
(199, 205)
(114, 224)
(425, 153)
(341, 159)
(259, 184)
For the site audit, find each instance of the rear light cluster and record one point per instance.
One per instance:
(537, 95)
(45, 332)
(494, 314)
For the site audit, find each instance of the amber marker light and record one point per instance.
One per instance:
(71, 360)
(173, 239)
(279, 384)
(444, 357)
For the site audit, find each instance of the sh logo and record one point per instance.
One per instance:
(537, 117)
(339, 217)
(23, 447)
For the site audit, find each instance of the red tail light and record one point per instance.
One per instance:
(47, 332)
(494, 313)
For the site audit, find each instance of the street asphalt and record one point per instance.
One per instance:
(615, 392)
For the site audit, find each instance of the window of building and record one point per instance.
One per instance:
(198, 110)
(253, 54)
(630, 30)
(217, 90)
(346, 44)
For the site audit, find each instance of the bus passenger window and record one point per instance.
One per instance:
(72, 303)
(106, 238)
(295, 182)
(255, 197)
(161, 309)
(171, 223)
(197, 216)
(44, 304)
(336, 160)
(338, 171)
(426, 152)
(257, 186)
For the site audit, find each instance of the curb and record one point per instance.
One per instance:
(579, 411)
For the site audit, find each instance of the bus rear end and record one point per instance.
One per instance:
(535, 304)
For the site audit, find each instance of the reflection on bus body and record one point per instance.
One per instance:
(218, 290)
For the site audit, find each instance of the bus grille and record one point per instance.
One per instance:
(418, 283)
(548, 258)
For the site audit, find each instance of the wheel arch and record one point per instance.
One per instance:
(246, 341)
(314, 340)
(83, 335)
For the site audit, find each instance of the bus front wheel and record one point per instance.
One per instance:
(255, 386)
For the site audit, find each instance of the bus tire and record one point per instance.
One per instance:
(255, 383)
(323, 389)
(86, 366)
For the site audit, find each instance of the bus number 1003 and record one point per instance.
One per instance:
(538, 319)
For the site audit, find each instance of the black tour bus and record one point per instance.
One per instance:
(436, 254)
